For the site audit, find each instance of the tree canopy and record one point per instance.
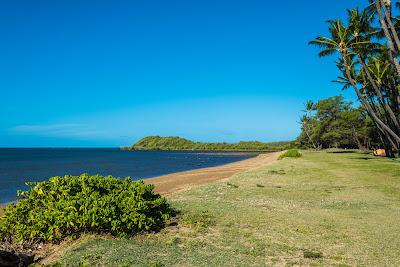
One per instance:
(334, 122)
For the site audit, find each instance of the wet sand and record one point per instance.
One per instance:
(174, 182)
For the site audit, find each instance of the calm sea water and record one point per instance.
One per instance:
(20, 165)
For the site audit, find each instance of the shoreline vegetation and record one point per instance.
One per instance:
(69, 206)
(175, 143)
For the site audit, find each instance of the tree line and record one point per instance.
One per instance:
(336, 123)
(368, 46)
(178, 143)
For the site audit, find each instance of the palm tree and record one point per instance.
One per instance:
(348, 41)
(362, 32)
(307, 123)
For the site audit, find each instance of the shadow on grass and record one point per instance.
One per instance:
(11, 258)
(366, 158)
(393, 160)
(342, 152)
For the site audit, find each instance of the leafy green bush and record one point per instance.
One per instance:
(291, 153)
(70, 205)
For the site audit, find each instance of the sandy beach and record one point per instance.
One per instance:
(170, 183)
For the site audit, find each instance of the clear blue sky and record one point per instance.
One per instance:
(105, 73)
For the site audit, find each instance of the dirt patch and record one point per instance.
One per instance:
(170, 183)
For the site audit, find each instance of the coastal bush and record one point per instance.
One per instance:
(71, 205)
(291, 153)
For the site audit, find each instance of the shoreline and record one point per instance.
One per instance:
(174, 182)
(178, 181)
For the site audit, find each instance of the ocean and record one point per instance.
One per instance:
(20, 165)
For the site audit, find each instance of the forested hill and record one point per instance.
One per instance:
(178, 143)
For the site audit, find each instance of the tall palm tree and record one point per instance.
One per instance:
(360, 25)
(344, 41)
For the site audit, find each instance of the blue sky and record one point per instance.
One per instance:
(105, 73)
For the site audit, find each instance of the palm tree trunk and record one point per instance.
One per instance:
(387, 142)
(309, 138)
(379, 94)
(391, 26)
(360, 146)
(395, 94)
(367, 105)
(388, 37)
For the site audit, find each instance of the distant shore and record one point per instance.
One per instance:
(176, 143)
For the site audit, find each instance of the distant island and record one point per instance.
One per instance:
(179, 143)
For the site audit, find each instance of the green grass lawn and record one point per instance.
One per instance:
(336, 209)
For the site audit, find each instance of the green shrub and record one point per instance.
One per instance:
(70, 205)
(291, 153)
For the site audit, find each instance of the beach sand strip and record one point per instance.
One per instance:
(179, 181)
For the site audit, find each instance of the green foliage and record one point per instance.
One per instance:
(178, 143)
(68, 206)
(292, 153)
(335, 123)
